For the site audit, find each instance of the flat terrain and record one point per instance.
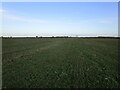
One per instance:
(60, 63)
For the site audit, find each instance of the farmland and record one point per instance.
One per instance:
(60, 63)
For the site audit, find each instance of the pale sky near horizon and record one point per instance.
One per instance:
(59, 18)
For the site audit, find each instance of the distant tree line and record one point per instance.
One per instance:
(61, 37)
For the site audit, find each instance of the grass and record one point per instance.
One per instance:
(60, 63)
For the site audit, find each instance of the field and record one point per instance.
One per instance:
(60, 63)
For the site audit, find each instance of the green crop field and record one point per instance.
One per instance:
(60, 63)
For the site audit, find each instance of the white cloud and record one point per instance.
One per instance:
(8, 16)
(22, 19)
(105, 21)
(108, 20)
(2, 11)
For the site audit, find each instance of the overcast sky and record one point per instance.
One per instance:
(60, 18)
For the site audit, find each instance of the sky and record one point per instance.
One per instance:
(60, 0)
(59, 18)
